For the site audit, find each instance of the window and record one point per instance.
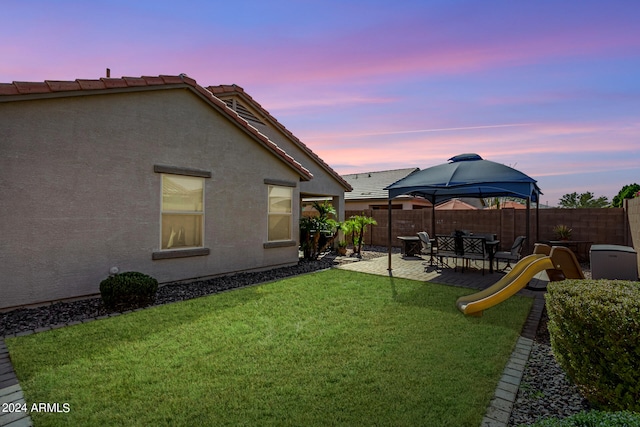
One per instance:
(280, 213)
(182, 212)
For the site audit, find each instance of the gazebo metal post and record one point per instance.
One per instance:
(528, 225)
(433, 218)
(389, 235)
(537, 217)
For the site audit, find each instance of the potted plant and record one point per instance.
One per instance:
(562, 232)
(342, 247)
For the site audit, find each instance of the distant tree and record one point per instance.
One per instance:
(583, 200)
(627, 192)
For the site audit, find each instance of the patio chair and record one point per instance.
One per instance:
(427, 245)
(512, 255)
(446, 246)
(474, 250)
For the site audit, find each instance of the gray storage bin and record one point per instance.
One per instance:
(614, 262)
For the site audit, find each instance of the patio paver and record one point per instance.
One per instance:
(418, 268)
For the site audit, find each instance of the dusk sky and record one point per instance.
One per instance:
(551, 88)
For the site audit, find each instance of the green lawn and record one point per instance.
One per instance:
(329, 348)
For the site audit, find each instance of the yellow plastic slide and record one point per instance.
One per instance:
(561, 261)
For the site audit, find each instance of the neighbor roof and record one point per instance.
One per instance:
(235, 90)
(510, 204)
(371, 185)
(454, 205)
(19, 91)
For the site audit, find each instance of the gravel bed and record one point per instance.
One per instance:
(27, 319)
(545, 391)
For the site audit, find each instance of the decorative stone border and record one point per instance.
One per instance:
(499, 410)
(10, 392)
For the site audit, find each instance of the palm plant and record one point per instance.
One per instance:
(359, 224)
(314, 227)
(348, 227)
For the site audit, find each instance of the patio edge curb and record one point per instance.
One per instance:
(499, 410)
(11, 392)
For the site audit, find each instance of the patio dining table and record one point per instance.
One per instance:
(411, 245)
(454, 246)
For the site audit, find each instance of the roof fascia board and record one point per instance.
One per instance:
(74, 88)
(275, 123)
(254, 133)
(89, 92)
(265, 115)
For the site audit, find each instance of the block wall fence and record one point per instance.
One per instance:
(600, 226)
(633, 213)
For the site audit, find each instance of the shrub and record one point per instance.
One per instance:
(562, 232)
(594, 327)
(594, 419)
(128, 289)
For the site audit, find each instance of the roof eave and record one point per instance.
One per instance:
(235, 90)
(20, 91)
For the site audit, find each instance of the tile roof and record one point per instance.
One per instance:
(454, 205)
(510, 204)
(370, 185)
(231, 90)
(19, 91)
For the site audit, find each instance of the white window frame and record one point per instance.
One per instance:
(200, 213)
(183, 251)
(289, 214)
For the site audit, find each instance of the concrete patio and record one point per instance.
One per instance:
(419, 268)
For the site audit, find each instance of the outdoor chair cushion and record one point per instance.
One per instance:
(425, 242)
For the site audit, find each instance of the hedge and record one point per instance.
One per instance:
(129, 289)
(594, 419)
(595, 336)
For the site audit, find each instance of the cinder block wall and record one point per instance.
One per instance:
(599, 226)
(633, 213)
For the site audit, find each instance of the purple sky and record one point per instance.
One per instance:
(551, 88)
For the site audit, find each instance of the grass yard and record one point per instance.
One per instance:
(329, 348)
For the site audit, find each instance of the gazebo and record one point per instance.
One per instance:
(466, 175)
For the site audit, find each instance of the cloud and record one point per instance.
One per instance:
(541, 149)
(410, 131)
(549, 86)
(424, 47)
(292, 103)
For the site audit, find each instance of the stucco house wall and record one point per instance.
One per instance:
(632, 208)
(322, 184)
(325, 183)
(81, 191)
